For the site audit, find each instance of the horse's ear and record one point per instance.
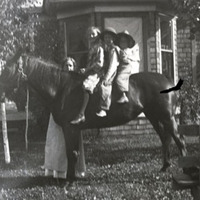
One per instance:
(15, 57)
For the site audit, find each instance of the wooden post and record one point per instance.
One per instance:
(4, 130)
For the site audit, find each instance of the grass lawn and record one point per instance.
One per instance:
(118, 167)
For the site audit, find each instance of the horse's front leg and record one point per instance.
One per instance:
(72, 148)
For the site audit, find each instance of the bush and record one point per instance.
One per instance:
(189, 99)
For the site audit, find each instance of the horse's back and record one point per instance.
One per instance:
(149, 82)
(151, 78)
(146, 86)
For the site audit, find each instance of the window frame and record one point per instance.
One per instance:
(172, 49)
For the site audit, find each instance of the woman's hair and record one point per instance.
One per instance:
(66, 59)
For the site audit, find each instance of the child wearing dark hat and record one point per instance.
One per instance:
(111, 62)
(128, 60)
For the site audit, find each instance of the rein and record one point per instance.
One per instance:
(23, 76)
(27, 115)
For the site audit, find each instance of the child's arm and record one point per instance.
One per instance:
(123, 57)
(98, 64)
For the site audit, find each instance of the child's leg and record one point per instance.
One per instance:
(86, 96)
(88, 87)
(81, 116)
(122, 82)
(105, 101)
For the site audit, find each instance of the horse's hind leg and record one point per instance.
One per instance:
(165, 140)
(170, 126)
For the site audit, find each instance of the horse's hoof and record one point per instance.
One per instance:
(165, 167)
(68, 186)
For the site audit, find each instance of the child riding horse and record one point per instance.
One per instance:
(93, 70)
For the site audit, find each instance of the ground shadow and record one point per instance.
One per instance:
(29, 182)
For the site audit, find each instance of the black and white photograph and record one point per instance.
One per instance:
(100, 100)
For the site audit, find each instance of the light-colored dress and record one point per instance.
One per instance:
(94, 67)
(55, 153)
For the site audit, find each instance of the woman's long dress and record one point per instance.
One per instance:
(55, 153)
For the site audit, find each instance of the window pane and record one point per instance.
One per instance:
(167, 64)
(77, 46)
(76, 29)
(134, 26)
(166, 42)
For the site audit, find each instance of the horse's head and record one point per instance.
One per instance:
(11, 73)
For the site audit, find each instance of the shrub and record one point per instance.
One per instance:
(189, 98)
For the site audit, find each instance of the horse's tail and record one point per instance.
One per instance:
(175, 88)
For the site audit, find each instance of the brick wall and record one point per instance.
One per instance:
(197, 48)
(141, 125)
(151, 43)
(184, 51)
(188, 53)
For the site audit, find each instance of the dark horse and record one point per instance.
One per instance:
(62, 93)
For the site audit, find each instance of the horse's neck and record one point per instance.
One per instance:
(46, 87)
(46, 94)
(53, 87)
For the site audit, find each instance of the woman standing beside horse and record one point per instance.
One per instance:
(55, 150)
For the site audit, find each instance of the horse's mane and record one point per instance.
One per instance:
(49, 72)
(45, 71)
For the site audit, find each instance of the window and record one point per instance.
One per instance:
(77, 46)
(134, 26)
(166, 29)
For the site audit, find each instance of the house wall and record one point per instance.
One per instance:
(184, 52)
(188, 48)
(197, 51)
(152, 41)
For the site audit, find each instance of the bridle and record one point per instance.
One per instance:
(21, 75)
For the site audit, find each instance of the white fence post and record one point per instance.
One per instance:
(5, 132)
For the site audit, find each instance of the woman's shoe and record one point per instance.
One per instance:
(80, 118)
(101, 113)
